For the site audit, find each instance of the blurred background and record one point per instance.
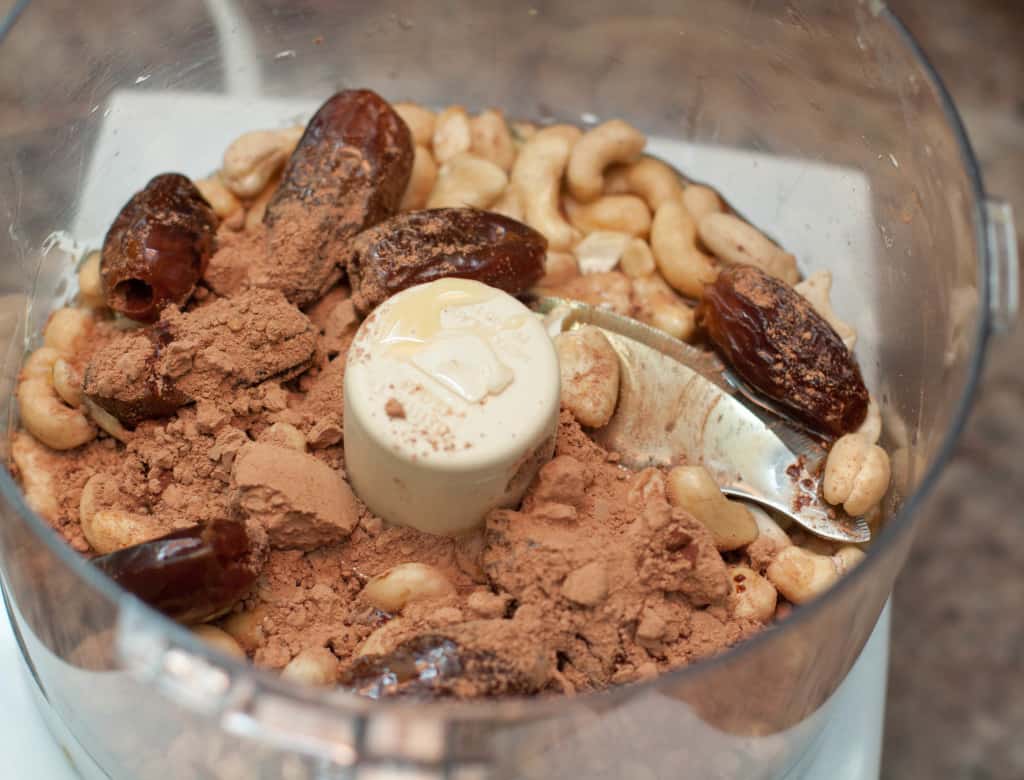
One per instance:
(956, 689)
(956, 680)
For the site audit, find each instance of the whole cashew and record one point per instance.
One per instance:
(36, 479)
(674, 243)
(67, 382)
(420, 121)
(255, 158)
(601, 251)
(589, 369)
(612, 291)
(693, 489)
(569, 133)
(559, 268)
(613, 141)
(219, 639)
(90, 286)
(816, 288)
(492, 140)
(106, 421)
(67, 328)
(619, 213)
(107, 529)
(509, 205)
(637, 260)
(734, 241)
(246, 628)
(856, 474)
(43, 413)
(800, 575)
(537, 179)
(313, 666)
(701, 201)
(224, 202)
(660, 307)
(654, 181)
(467, 180)
(452, 134)
(421, 180)
(753, 597)
(404, 583)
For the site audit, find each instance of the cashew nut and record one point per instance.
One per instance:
(674, 244)
(693, 489)
(701, 201)
(223, 201)
(285, 435)
(404, 583)
(258, 207)
(537, 178)
(637, 260)
(601, 251)
(420, 121)
(816, 288)
(613, 141)
(509, 204)
(800, 575)
(382, 640)
(246, 628)
(219, 639)
(871, 428)
(255, 158)
(106, 421)
(568, 133)
(753, 597)
(421, 180)
(492, 140)
(856, 474)
(43, 413)
(651, 179)
(67, 328)
(768, 531)
(559, 268)
(467, 180)
(620, 213)
(452, 134)
(108, 529)
(660, 307)
(523, 132)
(589, 369)
(612, 291)
(67, 382)
(36, 479)
(90, 285)
(734, 241)
(313, 666)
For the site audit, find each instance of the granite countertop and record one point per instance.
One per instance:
(956, 690)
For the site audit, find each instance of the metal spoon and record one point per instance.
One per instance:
(678, 404)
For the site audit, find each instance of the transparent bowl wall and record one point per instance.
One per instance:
(829, 83)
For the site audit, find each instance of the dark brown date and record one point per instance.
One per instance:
(422, 246)
(783, 348)
(348, 172)
(157, 248)
(192, 575)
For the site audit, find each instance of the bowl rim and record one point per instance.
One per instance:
(341, 704)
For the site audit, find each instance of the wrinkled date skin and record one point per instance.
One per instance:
(422, 246)
(781, 347)
(192, 575)
(347, 173)
(157, 248)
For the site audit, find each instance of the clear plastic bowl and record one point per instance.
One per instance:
(822, 122)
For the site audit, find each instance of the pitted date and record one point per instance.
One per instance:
(157, 248)
(781, 347)
(421, 246)
(347, 173)
(191, 575)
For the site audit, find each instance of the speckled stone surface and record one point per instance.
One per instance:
(956, 691)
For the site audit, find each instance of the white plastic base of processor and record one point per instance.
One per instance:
(34, 743)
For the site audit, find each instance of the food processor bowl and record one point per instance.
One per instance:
(819, 121)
